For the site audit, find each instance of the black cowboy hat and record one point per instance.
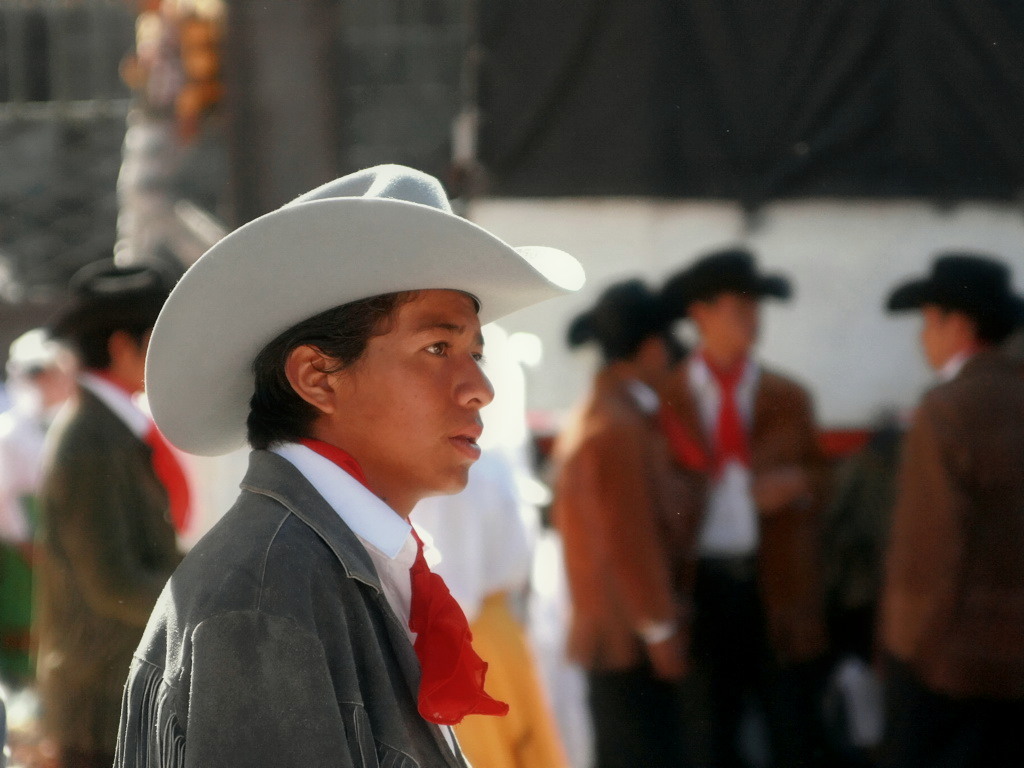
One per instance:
(975, 284)
(625, 314)
(732, 270)
(105, 295)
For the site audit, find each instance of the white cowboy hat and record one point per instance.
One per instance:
(380, 230)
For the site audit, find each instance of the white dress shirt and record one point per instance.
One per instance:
(22, 439)
(483, 534)
(952, 367)
(385, 534)
(730, 522)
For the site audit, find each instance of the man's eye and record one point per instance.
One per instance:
(478, 356)
(439, 348)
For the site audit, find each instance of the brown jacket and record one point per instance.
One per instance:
(953, 603)
(783, 433)
(627, 518)
(106, 550)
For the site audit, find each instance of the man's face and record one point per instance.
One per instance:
(944, 334)
(128, 359)
(728, 324)
(410, 406)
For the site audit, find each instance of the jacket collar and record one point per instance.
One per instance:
(985, 360)
(275, 477)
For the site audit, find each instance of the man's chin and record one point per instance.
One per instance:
(454, 482)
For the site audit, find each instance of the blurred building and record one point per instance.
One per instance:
(62, 113)
(843, 142)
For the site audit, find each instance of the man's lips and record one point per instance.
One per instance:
(465, 441)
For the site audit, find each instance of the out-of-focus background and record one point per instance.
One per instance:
(844, 143)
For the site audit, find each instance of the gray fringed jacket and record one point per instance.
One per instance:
(273, 645)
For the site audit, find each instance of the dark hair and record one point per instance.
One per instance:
(276, 412)
(624, 317)
(107, 298)
(93, 345)
(990, 327)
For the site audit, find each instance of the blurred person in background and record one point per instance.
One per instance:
(855, 531)
(758, 630)
(485, 536)
(40, 379)
(107, 500)
(952, 623)
(625, 511)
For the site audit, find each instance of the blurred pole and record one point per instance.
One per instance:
(280, 69)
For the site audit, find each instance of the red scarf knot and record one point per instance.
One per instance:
(452, 681)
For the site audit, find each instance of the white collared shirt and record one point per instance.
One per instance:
(646, 399)
(385, 534)
(952, 367)
(730, 522)
(120, 402)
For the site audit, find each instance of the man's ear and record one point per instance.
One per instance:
(307, 369)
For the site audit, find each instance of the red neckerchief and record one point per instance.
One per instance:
(685, 448)
(452, 675)
(341, 457)
(165, 463)
(730, 433)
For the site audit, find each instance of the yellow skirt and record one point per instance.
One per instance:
(527, 736)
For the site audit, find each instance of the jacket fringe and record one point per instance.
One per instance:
(151, 736)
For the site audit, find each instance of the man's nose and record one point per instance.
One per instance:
(476, 390)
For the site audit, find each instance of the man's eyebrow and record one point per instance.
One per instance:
(440, 325)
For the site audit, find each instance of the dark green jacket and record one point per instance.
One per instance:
(273, 645)
(106, 550)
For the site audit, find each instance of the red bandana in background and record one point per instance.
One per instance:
(452, 675)
(686, 449)
(165, 463)
(171, 475)
(730, 433)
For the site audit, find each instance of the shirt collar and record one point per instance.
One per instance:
(647, 399)
(701, 377)
(954, 365)
(117, 400)
(370, 519)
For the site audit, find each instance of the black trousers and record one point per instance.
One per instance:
(925, 729)
(636, 720)
(736, 682)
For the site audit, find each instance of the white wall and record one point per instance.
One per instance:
(843, 258)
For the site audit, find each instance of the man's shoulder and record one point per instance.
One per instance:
(87, 424)
(255, 531)
(991, 384)
(776, 380)
(259, 556)
(781, 389)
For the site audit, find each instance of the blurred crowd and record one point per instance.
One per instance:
(688, 578)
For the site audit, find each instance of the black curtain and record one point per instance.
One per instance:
(753, 100)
